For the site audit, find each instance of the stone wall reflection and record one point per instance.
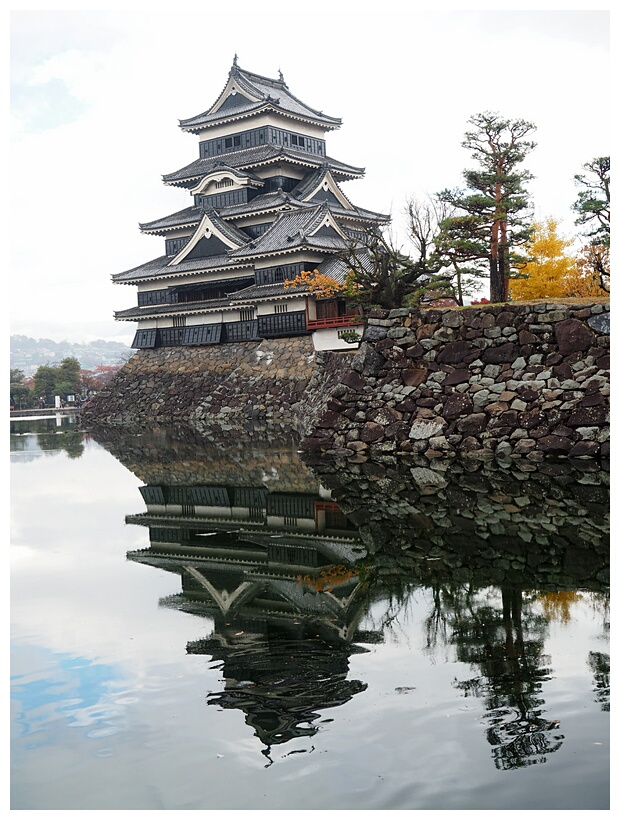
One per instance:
(513, 522)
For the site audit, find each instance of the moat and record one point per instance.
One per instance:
(202, 624)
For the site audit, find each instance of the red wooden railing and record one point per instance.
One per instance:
(334, 321)
(327, 506)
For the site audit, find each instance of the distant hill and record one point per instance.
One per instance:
(28, 354)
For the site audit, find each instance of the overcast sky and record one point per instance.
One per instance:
(96, 97)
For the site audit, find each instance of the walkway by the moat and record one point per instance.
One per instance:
(36, 412)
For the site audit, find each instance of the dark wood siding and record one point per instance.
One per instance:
(173, 246)
(152, 495)
(223, 200)
(290, 506)
(145, 338)
(285, 554)
(213, 246)
(282, 324)
(249, 497)
(271, 276)
(169, 336)
(202, 334)
(155, 297)
(240, 331)
(209, 496)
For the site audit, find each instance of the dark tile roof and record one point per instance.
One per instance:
(263, 203)
(186, 307)
(162, 266)
(256, 292)
(292, 229)
(260, 155)
(335, 267)
(188, 216)
(270, 93)
(136, 313)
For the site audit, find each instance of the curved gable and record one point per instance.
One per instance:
(209, 239)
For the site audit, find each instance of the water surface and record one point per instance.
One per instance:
(200, 626)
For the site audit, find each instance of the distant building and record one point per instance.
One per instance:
(267, 205)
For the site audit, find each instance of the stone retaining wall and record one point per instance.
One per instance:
(496, 381)
(222, 386)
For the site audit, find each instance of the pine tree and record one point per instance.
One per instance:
(593, 208)
(492, 214)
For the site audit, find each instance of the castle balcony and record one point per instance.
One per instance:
(341, 322)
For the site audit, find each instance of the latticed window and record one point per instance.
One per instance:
(260, 136)
(178, 321)
(283, 308)
(247, 314)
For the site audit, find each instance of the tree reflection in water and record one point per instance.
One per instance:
(505, 645)
(49, 435)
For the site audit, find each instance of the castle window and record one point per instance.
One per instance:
(247, 315)
(256, 136)
(281, 308)
(178, 321)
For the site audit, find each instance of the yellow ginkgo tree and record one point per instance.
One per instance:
(550, 269)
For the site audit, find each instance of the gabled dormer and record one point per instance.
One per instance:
(212, 237)
(324, 224)
(321, 186)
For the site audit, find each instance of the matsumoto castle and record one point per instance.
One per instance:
(266, 205)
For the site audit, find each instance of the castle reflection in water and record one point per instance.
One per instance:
(286, 578)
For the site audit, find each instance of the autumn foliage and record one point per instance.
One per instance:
(325, 287)
(328, 578)
(552, 271)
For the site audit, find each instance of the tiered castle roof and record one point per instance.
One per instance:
(265, 195)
